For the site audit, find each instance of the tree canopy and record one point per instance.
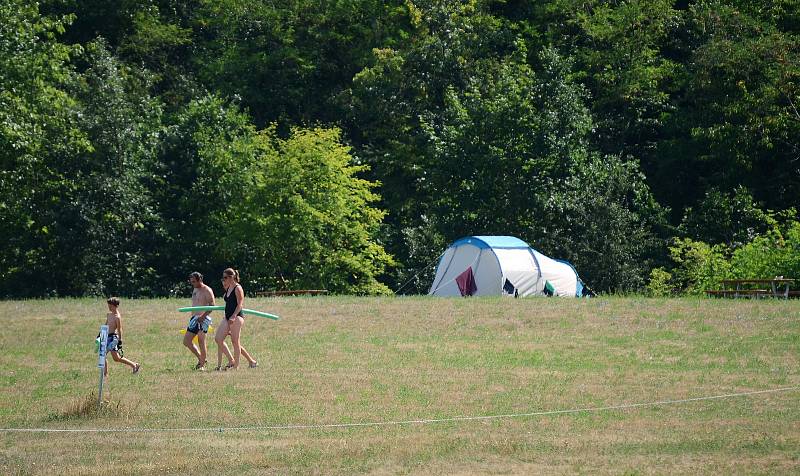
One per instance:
(343, 144)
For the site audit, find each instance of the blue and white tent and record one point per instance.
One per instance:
(495, 265)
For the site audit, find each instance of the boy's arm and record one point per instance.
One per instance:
(119, 327)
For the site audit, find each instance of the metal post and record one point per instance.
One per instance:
(101, 362)
(100, 391)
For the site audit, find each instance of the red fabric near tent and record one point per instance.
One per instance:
(466, 283)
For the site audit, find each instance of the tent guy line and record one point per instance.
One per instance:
(322, 426)
(420, 272)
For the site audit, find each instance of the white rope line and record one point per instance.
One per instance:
(323, 426)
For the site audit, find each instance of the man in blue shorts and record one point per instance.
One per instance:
(202, 295)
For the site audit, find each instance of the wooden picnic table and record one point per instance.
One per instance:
(741, 288)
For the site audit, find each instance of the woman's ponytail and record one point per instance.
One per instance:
(232, 273)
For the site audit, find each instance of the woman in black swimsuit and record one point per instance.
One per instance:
(232, 325)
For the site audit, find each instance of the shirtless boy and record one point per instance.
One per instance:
(114, 342)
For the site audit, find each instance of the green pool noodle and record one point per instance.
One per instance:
(201, 308)
(260, 314)
(222, 308)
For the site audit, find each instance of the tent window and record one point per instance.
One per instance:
(510, 289)
(549, 289)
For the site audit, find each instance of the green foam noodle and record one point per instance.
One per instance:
(201, 308)
(222, 308)
(260, 314)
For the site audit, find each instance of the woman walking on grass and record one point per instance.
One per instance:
(232, 325)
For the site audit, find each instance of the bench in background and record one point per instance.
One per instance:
(740, 293)
(735, 288)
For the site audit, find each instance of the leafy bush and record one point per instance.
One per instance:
(660, 284)
(776, 253)
(700, 266)
(307, 220)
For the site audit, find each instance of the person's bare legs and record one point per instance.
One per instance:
(247, 355)
(235, 329)
(222, 347)
(201, 339)
(133, 365)
(188, 341)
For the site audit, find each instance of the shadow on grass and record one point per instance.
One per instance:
(87, 408)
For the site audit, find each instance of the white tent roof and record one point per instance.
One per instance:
(498, 261)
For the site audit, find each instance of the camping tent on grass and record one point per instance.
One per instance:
(494, 265)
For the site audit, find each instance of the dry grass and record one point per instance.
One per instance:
(343, 359)
(88, 408)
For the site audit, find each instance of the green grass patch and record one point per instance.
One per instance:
(338, 360)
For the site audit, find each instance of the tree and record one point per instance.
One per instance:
(308, 221)
(512, 152)
(289, 213)
(39, 141)
(605, 221)
(495, 145)
(206, 163)
(741, 105)
(406, 85)
(109, 225)
(731, 219)
(289, 62)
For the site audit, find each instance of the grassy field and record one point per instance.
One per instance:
(347, 360)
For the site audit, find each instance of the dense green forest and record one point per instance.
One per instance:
(342, 144)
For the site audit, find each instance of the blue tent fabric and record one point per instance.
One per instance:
(492, 242)
(579, 292)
